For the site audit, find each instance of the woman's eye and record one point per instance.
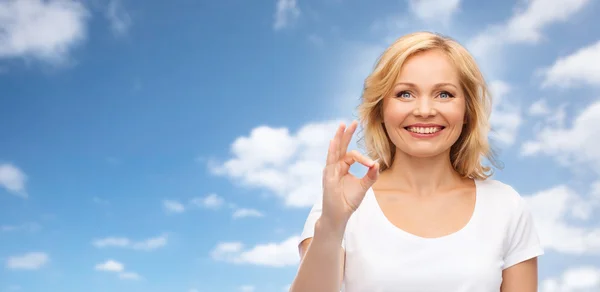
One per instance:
(446, 94)
(403, 94)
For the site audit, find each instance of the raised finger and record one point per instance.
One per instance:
(333, 150)
(330, 154)
(337, 141)
(348, 136)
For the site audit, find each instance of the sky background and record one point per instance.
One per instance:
(178, 145)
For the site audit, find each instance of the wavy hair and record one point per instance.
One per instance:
(472, 145)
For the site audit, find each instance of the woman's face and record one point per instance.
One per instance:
(425, 112)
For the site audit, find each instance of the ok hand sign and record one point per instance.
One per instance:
(342, 191)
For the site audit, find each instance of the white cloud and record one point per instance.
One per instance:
(210, 201)
(243, 212)
(12, 178)
(506, 114)
(172, 206)
(113, 266)
(214, 202)
(438, 11)
(247, 288)
(572, 146)
(290, 165)
(28, 261)
(556, 211)
(578, 279)
(151, 243)
(227, 248)
(119, 19)
(526, 24)
(278, 254)
(112, 242)
(110, 266)
(123, 242)
(44, 30)
(286, 12)
(579, 68)
(539, 108)
(30, 227)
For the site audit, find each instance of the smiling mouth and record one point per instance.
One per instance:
(425, 130)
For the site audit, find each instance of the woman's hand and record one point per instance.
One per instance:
(342, 191)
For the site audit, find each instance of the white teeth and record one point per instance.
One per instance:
(421, 130)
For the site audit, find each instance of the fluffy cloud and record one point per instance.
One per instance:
(247, 288)
(123, 242)
(210, 201)
(539, 108)
(286, 12)
(561, 212)
(440, 11)
(526, 24)
(13, 179)
(278, 254)
(245, 212)
(28, 261)
(560, 215)
(570, 145)
(119, 19)
(44, 30)
(579, 279)
(113, 266)
(29, 227)
(288, 164)
(579, 68)
(506, 115)
(110, 266)
(172, 206)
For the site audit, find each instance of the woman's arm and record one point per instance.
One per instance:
(321, 261)
(322, 258)
(522, 277)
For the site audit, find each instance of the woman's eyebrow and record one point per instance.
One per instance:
(409, 84)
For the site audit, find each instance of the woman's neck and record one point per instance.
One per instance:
(421, 176)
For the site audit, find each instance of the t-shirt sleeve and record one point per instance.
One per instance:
(309, 224)
(523, 240)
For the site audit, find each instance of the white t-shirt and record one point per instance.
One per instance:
(381, 257)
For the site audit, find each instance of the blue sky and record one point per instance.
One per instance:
(178, 146)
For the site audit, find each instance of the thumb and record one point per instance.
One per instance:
(370, 177)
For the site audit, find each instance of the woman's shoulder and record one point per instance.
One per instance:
(500, 194)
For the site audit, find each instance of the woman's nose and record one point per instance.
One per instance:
(424, 107)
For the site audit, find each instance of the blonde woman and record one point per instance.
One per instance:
(426, 216)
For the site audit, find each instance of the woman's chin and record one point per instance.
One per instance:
(424, 151)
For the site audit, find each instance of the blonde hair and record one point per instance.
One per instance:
(466, 154)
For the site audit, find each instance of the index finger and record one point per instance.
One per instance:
(348, 136)
(333, 153)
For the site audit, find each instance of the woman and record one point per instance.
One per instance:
(426, 216)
